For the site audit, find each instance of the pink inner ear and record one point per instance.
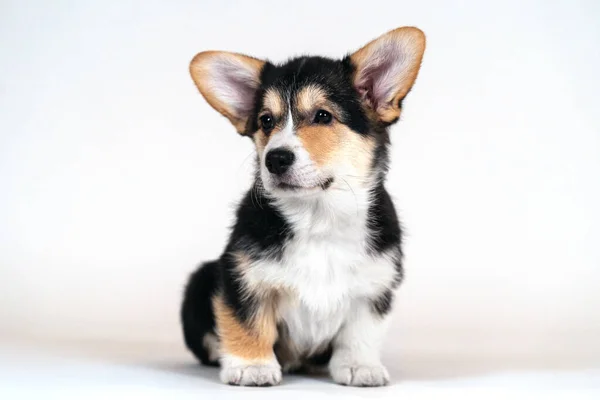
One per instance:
(381, 73)
(235, 84)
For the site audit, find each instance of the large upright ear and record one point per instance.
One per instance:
(228, 82)
(386, 68)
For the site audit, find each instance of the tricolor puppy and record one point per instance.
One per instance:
(308, 275)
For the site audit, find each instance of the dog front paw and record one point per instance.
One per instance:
(251, 374)
(360, 375)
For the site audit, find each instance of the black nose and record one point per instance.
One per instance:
(279, 160)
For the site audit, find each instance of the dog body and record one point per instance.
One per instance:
(307, 277)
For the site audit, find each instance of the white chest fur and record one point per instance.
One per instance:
(325, 268)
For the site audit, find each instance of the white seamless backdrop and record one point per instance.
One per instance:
(116, 178)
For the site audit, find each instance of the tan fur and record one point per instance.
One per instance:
(273, 103)
(358, 150)
(260, 141)
(336, 142)
(200, 69)
(321, 141)
(253, 341)
(309, 99)
(415, 38)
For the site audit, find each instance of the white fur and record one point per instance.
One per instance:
(237, 371)
(211, 343)
(356, 361)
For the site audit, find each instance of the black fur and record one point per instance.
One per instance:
(382, 222)
(260, 228)
(322, 358)
(197, 315)
(384, 233)
(383, 304)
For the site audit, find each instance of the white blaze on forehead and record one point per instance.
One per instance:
(285, 137)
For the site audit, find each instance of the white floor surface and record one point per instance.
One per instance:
(115, 371)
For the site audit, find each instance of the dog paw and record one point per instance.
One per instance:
(251, 375)
(360, 375)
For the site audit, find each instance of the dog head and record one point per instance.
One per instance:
(318, 124)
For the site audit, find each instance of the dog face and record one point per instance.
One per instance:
(318, 124)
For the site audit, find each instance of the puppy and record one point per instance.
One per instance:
(308, 276)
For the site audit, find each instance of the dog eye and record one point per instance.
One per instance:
(322, 117)
(267, 122)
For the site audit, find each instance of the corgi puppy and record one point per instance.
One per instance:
(308, 276)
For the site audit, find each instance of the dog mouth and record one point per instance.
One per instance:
(324, 185)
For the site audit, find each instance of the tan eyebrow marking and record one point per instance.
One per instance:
(310, 97)
(273, 102)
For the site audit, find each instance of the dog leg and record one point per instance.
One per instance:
(356, 349)
(247, 357)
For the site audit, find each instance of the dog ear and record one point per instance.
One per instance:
(228, 82)
(386, 68)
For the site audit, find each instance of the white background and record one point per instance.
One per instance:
(116, 178)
